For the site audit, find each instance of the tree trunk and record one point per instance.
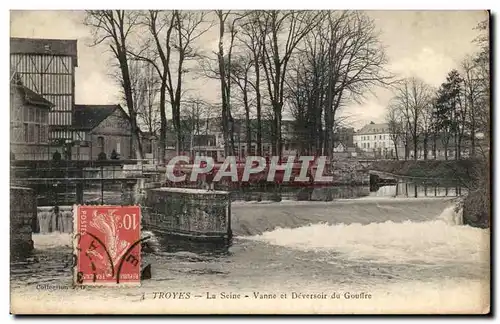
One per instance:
(473, 140)
(130, 103)
(277, 150)
(434, 145)
(415, 148)
(425, 147)
(177, 126)
(163, 123)
(258, 103)
(248, 133)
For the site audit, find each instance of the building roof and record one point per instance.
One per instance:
(41, 46)
(374, 129)
(88, 117)
(29, 96)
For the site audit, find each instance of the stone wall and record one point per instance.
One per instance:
(22, 218)
(349, 173)
(188, 211)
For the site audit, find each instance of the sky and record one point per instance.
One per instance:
(424, 44)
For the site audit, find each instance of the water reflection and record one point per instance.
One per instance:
(409, 189)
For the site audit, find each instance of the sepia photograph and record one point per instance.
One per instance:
(285, 161)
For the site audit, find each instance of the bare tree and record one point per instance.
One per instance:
(114, 28)
(240, 76)
(412, 98)
(282, 32)
(395, 122)
(224, 73)
(427, 125)
(145, 85)
(355, 62)
(172, 38)
(340, 61)
(252, 39)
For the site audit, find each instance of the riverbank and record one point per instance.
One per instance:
(434, 169)
(472, 174)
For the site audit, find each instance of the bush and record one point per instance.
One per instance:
(477, 204)
(101, 156)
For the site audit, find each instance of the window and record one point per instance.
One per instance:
(37, 133)
(26, 131)
(118, 147)
(26, 112)
(375, 145)
(37, 115)
(31, 114)
(43, 134)
(31, 133)
(368, 145)
(100, 143)
(380, 137)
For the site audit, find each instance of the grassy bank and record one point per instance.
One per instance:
(472, 174)
(461, 170)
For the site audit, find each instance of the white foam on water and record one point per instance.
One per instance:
(52, 240)
(440, 240)
(452, 215)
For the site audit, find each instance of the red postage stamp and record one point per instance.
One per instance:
(107, 245)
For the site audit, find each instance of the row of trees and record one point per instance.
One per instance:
(450, 117)
(310, 63)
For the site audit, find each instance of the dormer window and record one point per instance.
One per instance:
(47, 48)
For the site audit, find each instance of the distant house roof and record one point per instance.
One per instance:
(374, 129)
(88, 117)
(29, 96)
(41, 46)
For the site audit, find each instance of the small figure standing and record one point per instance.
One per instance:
(56, 157)
(114, 155)
(56, 222)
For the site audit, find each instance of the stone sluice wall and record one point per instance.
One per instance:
(22, 216)
(187, 211)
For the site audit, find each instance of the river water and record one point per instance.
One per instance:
(408, 255)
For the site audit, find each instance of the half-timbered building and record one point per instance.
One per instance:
(29, 126)
(47, 67)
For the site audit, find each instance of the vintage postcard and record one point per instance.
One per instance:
(250, 162)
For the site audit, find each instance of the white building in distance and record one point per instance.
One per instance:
(374, 138)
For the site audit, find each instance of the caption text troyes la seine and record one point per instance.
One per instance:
(259, 295)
